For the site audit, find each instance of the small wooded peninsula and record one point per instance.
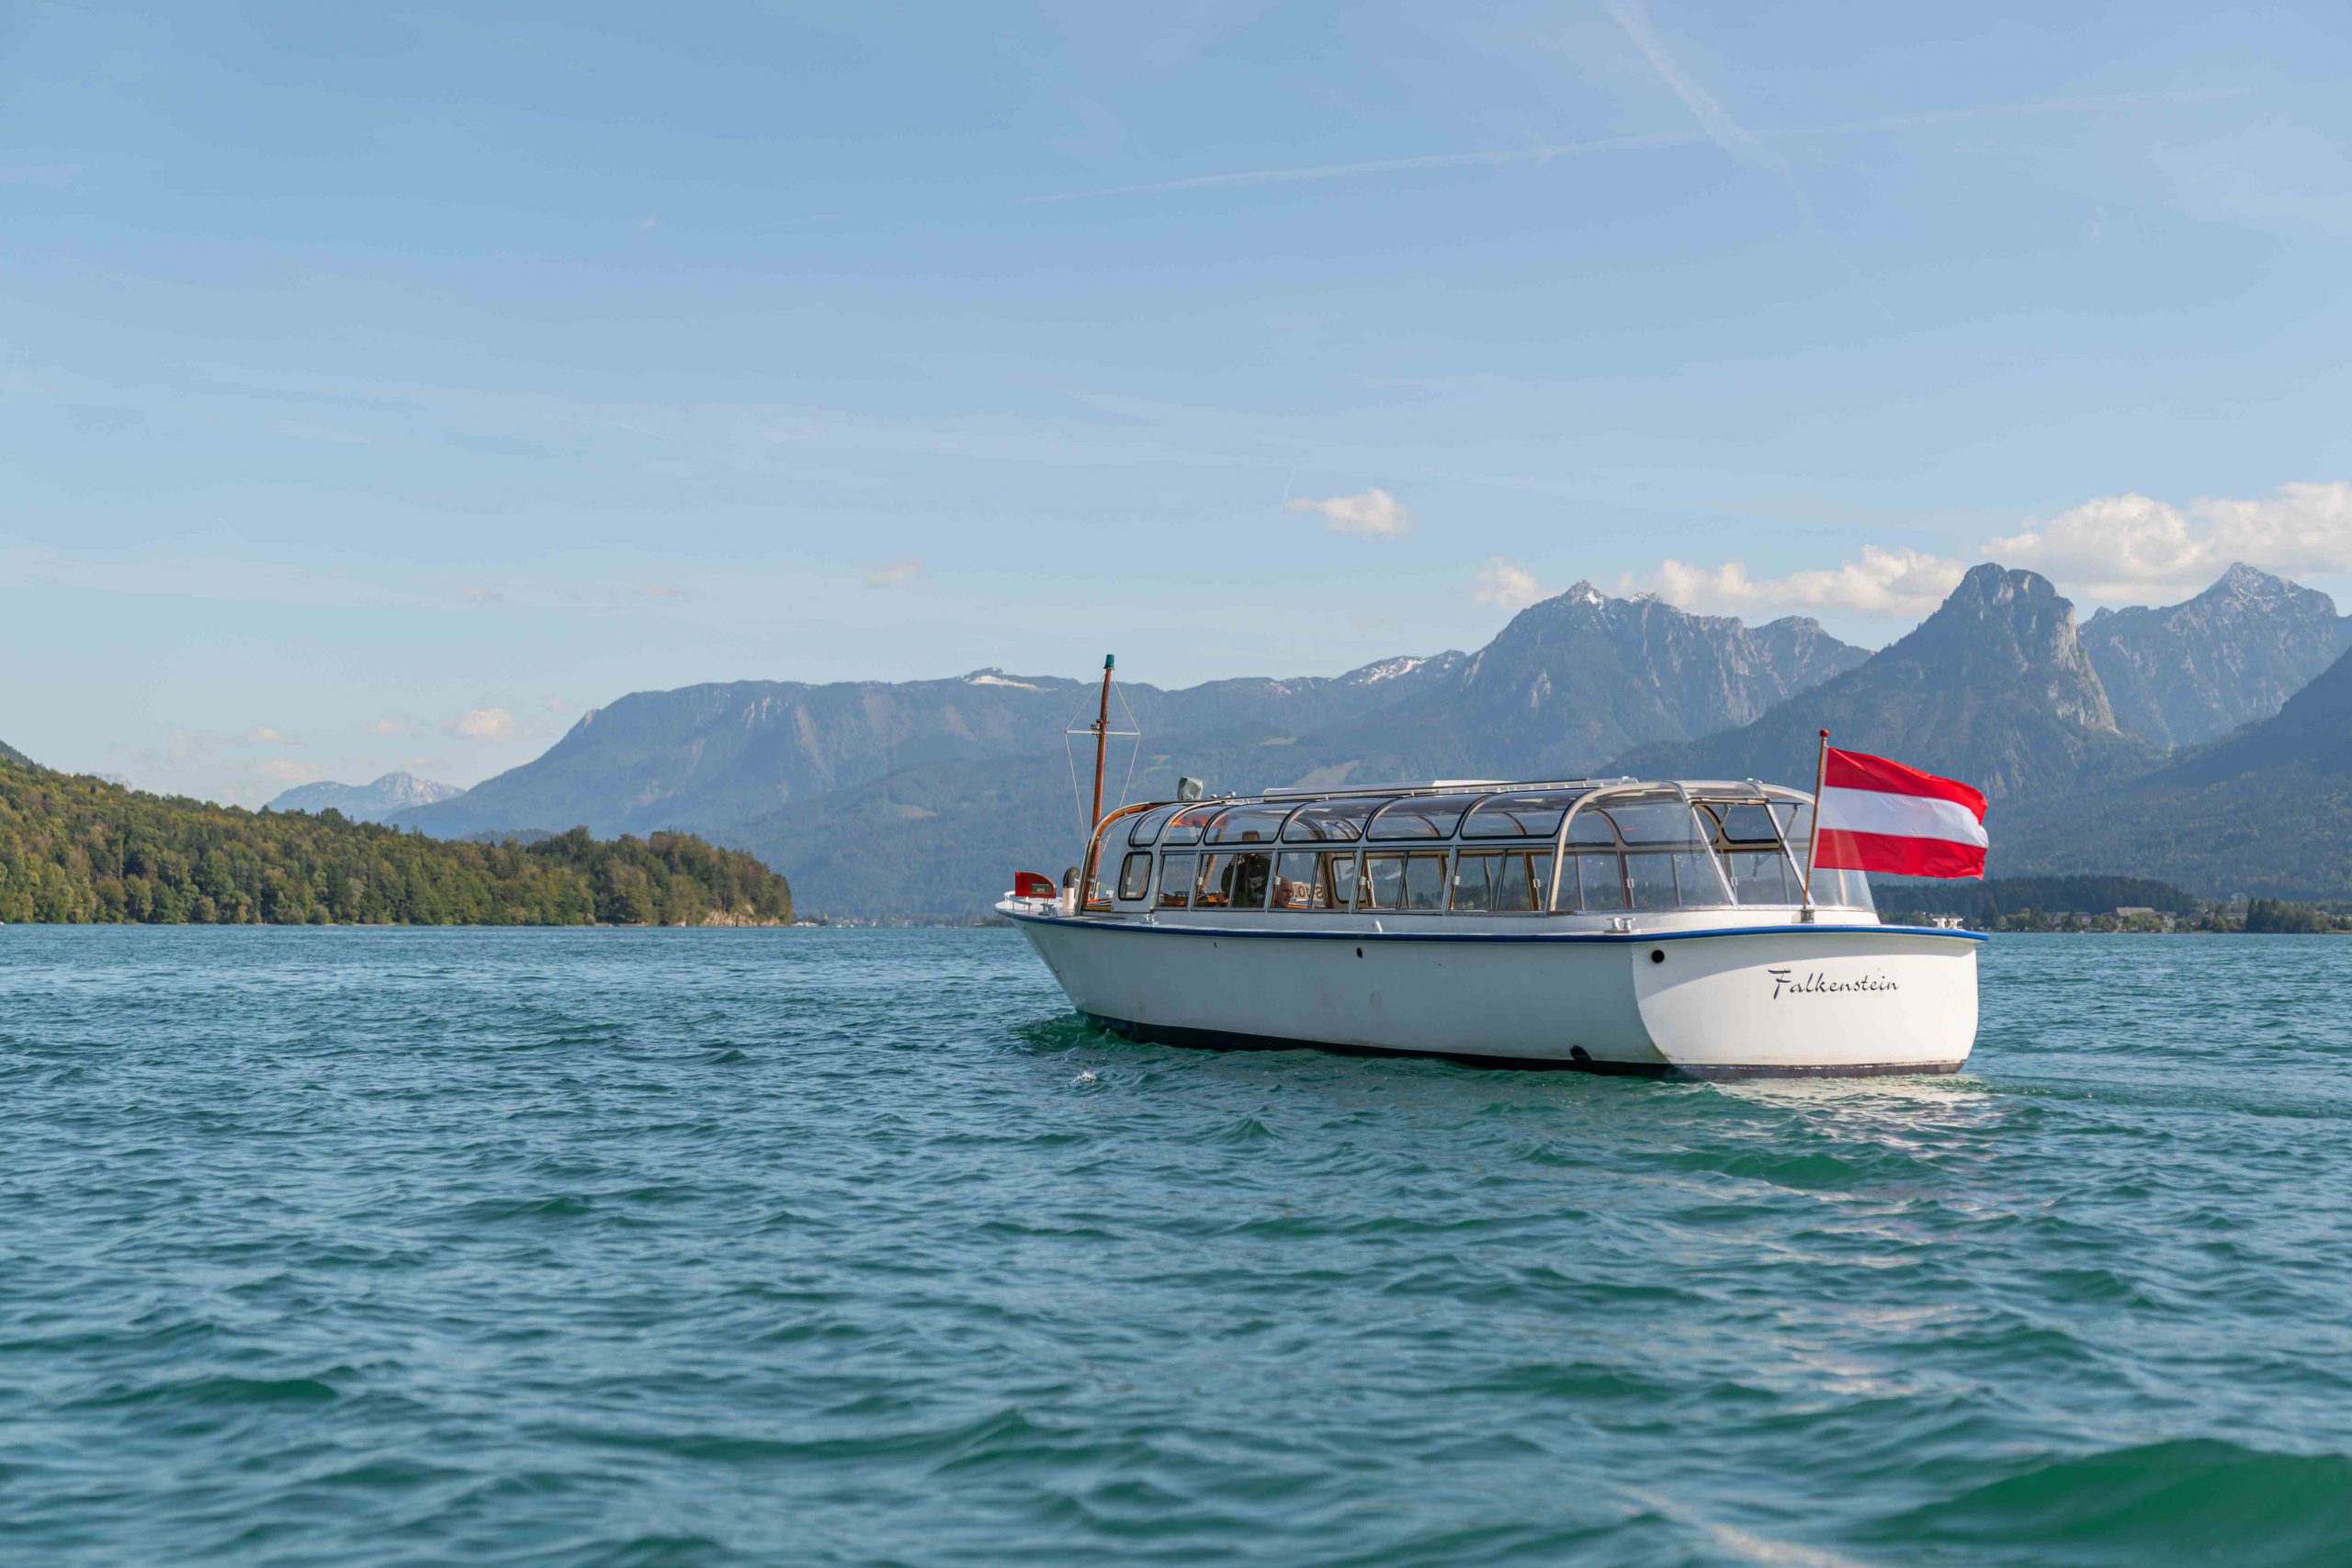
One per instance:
(76, 849)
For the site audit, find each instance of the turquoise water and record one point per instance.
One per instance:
(715, 1247)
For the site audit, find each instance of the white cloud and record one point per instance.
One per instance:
(1373, 515)
(559, 705)
(395, 727)
(478, 594)
(1506, 584)
(1883, 583)
(265, 735)
(286, 771)
(894, 574)
(2122, 546)
(483, 724)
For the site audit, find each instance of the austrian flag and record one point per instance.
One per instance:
(1880, 816)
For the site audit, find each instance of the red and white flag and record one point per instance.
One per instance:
(1880, 816)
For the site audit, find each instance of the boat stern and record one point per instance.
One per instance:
(1850, 1000)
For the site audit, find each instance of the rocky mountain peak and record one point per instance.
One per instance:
(1994, 688)
(2180, 674)
(373, 802)
(2003, 625)
(2244, 583)
(404, 788)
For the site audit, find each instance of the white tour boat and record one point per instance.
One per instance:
(1613, 925)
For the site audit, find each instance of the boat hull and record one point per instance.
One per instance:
(1779, 1000)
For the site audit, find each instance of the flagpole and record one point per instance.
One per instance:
(1812, 849)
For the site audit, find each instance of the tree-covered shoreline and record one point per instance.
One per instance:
(76, 849)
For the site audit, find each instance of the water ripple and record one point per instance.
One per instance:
(733, 1248)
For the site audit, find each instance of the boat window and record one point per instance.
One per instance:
(1509, 882)
(1175, 881)
(1145, 829)
(1306, 880)
(1421, 817)
(1185, 828)
(1748, 837)
(1535, 815)
(1404, 881)
(1592, 877)
(1231, 881)
(1649, 877)
(1594, 880)
(1135, 876)
(1259, 822)
(1332, 821)
(1745, 822)
(1652, 821)
(1669, 855)
(1759, 877)
(1591, 828)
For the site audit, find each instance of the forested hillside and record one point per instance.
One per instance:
(1984, 903)
(74, 850)
(2266, 811)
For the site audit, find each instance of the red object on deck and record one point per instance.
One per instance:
(1029, 884)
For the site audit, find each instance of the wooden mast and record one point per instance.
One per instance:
(1813, 850)
(1101, 730)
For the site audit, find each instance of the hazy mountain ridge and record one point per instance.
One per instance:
(916, 797)
(2181, 674)
(10, 754)
(372, 802)
(1575, 680)
(711, 756)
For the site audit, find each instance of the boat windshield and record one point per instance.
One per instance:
(1185, 828)
(1662, 856)
(1535, 815)
(1332, 821)
(1421, 817)
(1145, 828)
(1747, 836)
(1254, 823)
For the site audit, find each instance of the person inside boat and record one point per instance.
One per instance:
(1244, 882)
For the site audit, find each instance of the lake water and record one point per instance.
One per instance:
(808, 1248)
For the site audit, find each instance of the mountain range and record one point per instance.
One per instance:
(913, 797)
(1995, 688)
(917, 799)
(367, 802)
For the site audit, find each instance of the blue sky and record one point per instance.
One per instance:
(380, 389)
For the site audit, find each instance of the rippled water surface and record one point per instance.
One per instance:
(722, 1247)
